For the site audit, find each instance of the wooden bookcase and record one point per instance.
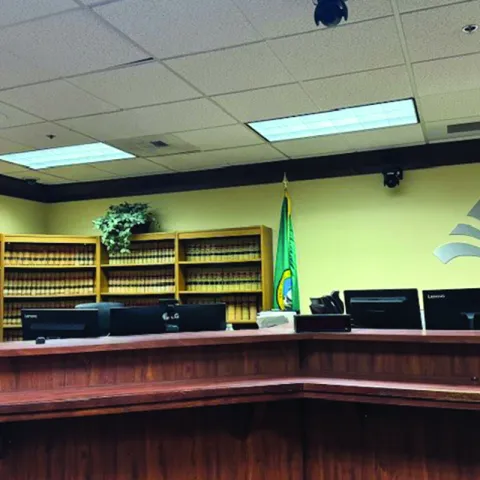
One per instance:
(44, 271)
(233, 266)
(144, 275)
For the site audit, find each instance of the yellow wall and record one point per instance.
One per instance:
(22, 216)
(351, 232)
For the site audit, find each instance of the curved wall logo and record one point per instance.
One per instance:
(449, 251)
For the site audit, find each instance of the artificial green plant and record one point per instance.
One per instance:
(117, 224)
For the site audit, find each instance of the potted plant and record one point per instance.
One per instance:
(120, 222)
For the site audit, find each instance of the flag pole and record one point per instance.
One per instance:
(285, 181)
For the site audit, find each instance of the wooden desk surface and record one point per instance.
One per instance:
(277, 334)
(145, 342)
(307, 406)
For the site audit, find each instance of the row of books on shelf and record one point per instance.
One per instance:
(223, 250)
(12, 335)
(12, 314)
(136, 301)
(145, 253)
(240, 308)
(49, 283)
(223, 279)
(162, 281)
(58, 255)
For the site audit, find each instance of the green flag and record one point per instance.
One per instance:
(285, 295)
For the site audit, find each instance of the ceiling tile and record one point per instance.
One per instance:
(192, 161)
(234, 69)
(6, 168)
(450, 105)
(336, 51)
(221, 137)
(36, 136)
(267, 103)
(336, 144)
(69, 43)
(437, 131)
(15, 71)
(148, 146)
(170, 118)
(359, 88)
(12, 117)
(288, 17)
(184, 26)
(220, 158)
(437, 33)
(92, 3)
(387, 137)
(14, 11)
(6, 146)
(132, 166)
(315, 146)
(253, 154)
(447, 75)
(136, 86)
(44, 178)
(79, 173)
(411, 5)
(55, 100)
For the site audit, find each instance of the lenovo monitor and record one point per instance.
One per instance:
(53, 323)
(457, 309)
(394, 309)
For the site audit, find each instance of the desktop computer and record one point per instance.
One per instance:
(456, 309)
(395, 309)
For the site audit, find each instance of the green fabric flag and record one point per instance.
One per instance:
(285, 294)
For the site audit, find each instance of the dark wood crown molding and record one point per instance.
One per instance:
(360, 163)
(13, 187)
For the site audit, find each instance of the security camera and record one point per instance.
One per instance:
(330, 12)
(30, 180)
(392, 177)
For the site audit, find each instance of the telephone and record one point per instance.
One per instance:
(327, 304)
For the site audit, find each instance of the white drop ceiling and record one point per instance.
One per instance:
(195, 72)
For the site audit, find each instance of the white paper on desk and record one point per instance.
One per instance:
(274, 319)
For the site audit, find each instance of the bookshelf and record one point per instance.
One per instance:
(147, 271)
(50, 271)
(233, 266)
(44, 271)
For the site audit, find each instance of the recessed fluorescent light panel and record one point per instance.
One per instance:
(344, 120)
(62, 156)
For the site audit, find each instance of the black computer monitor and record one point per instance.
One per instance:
(167, 318)
(396, 309)
(52, 323)
(138, 320)
(457, 309)
(200, 318)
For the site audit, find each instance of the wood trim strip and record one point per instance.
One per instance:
(87, 401)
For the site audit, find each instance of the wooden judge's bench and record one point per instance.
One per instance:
(251, 405)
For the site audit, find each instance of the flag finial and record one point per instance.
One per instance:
(285, 181)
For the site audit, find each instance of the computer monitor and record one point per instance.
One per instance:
(457, 309)
(52, 323)
(137, 320)
(167, 318)
(395, 309)
(200, 318)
